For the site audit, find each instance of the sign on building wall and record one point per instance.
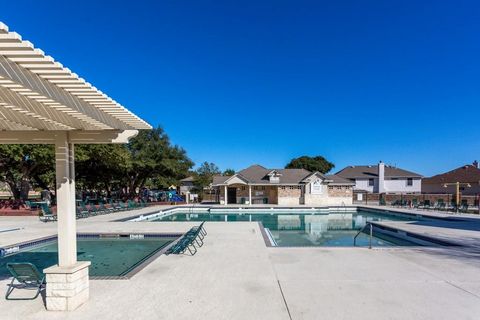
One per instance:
(316, 187)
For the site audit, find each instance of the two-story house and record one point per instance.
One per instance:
(382, 178)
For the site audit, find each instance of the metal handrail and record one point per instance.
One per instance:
(361, 230)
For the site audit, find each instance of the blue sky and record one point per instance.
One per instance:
(242, 82)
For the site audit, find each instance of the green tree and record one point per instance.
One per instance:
(25, 166)
(155, 161)
(313, 164)
(228, 172)
(101, 166)
(204, 175)
(149, 159)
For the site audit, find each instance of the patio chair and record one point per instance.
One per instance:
(27, 276)
(47, 214)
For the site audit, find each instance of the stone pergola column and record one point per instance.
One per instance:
(249, 194)
(67, 282)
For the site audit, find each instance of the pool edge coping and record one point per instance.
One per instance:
(136, 269)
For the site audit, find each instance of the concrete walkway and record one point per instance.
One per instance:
(235, 276)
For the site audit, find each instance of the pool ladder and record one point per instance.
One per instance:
(361, 230)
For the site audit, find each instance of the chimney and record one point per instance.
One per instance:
(475, 164)
(381, 177)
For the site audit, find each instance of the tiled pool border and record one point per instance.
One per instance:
(14, 248)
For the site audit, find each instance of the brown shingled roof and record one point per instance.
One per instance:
(257, 174)
(467, 174)
(337, 180)
(353, 172)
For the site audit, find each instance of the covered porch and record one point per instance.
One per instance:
(244, 193)
(42, 102)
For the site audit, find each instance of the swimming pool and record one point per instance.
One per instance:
(305, 228)
(110, 256)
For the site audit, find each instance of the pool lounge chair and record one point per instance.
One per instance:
(193, 236)
(415, 203)
(81, 213)
(439, 205)
(32, 205)
(114, 206)
(426, 205)
(463, 208)
(27, 276)
(47, 214)
(106, 209)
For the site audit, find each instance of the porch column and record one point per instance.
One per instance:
(67, 223)
(225, 197)
(249, 194)
(67, 282)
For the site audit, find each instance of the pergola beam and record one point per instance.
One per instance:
(75, 137)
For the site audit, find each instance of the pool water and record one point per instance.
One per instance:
(109, 256)
(307, 229)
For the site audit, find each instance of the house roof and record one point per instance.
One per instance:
(337, 180)
(257, 174)
(371, 171)
(188, 179)
(467, 173)
(220, 179)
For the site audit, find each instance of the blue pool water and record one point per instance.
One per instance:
(109, 256)
(307, 229)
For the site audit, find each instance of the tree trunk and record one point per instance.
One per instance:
(13, 188)
(24, 188)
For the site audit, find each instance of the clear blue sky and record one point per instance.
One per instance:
(242, 82)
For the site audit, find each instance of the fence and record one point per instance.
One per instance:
(374, 198)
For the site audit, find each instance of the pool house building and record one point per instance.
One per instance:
(259, 185)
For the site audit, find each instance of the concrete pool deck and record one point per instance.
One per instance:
(235, 276)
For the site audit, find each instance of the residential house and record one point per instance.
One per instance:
(259, 185)
(382, 178)
(186, 189)
(468, 175)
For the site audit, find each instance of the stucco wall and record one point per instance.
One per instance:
(362, 184)
(399, 185)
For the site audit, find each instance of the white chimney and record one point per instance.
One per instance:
(381, 177)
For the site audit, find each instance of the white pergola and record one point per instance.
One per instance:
(42, 102)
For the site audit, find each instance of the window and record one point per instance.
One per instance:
(371, 182)
(409, 182)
